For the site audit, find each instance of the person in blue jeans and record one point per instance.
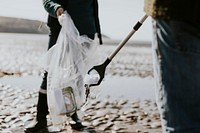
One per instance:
(85, 17)
(176, 52)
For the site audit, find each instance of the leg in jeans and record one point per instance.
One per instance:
(177, 70)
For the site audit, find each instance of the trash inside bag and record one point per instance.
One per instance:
(91, 79)
(67, 62)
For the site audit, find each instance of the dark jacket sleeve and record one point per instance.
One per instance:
(51, 6)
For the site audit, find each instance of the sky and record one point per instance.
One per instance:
(117, 17)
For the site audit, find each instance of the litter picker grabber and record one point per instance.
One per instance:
(100, 69)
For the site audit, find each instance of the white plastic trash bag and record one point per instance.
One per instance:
(67, 62)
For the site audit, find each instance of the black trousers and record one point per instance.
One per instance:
(42, 106)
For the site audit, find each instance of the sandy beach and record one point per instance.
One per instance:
(123, 103)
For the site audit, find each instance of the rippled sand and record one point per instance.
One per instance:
(18, 56)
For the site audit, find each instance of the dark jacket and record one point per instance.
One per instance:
(84, 13)
(184, 10)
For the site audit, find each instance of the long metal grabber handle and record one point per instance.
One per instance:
(123, 42)
(100, 69)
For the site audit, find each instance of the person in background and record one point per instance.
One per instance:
(85, 17)
(176, 46)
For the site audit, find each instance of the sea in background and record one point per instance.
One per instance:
(117, 16)
(129, 74)
(127, 88)
(117, 20)
(20, 52)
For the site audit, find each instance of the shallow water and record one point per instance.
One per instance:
(131, 88)
(25, 49)
(129, 76)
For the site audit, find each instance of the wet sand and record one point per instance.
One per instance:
(124, 102)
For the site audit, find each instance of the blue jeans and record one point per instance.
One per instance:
(176, 52)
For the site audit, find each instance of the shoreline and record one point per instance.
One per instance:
(43, 38)
(127, 102)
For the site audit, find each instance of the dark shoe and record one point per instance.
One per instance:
(79, 127)
(38, 128)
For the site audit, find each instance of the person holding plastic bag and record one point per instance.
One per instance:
(85, 17)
